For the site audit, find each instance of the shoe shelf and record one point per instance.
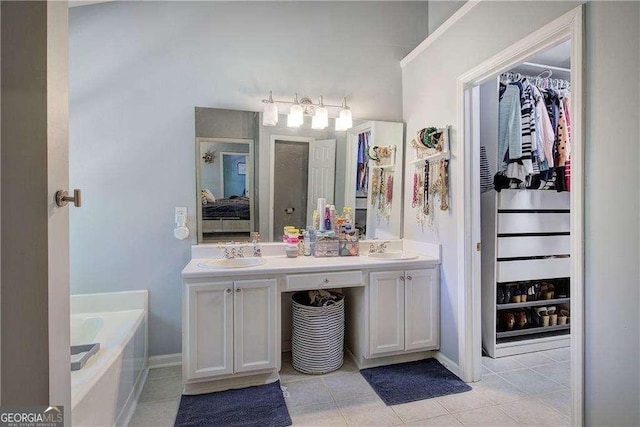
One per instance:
(537, 303)
(526, 242)
(531, 331)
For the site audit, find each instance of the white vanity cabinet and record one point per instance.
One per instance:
(230, 327)
(404, 312)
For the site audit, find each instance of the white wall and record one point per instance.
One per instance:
(137, 69)
(612, 201)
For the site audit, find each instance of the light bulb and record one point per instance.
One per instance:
(316, 123)
(292, 121)
(296, 115)
(345, 118)
(270, 114)
(323, 116)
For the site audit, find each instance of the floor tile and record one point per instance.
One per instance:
(419, 410)
(323, 414)
(307, 392)
(530, 382)
(159, 389)
(155, 414)
(497, 389)
(486, 371)
(560, 401)
(347, 385)
(559, 354)
(289, 374)
(463, 401)
(489, 416)
(368, 411)
(168, 372)
(501, 364)
(445, 420)
(559, 372)
(532, 411)
(532, 359)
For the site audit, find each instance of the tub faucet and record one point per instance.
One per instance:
(378, 248)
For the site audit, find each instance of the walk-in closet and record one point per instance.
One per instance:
(525, 176)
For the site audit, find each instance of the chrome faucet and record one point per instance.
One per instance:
(378, 248)
(231, 253)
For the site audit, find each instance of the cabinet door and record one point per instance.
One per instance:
(255, 325)
(386, 312)
(209, 329)
(422, 302)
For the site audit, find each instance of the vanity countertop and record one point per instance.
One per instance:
(280, 264)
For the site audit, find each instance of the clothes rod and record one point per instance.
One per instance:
(548, 67)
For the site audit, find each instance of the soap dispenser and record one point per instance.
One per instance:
(257, 250)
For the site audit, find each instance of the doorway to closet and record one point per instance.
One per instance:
(523, 245)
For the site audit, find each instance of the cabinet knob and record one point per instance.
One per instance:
(402, 278)
(238, 290)
(408, 277)
(326, 280)
(228, 290)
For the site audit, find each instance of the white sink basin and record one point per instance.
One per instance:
(392, 255)
(231, 263)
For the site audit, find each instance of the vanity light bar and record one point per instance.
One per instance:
(304, 102)
(306, 107)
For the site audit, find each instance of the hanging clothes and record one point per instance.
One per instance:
(539, 157)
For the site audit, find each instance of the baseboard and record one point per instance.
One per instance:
(447, 363)
(165, 360)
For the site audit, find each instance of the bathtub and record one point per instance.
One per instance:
(105, 391)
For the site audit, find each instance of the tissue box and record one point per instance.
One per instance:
(326, 245)
(349, 244)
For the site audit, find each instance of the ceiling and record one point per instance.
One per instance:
(557, 56)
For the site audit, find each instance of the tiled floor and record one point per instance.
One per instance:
(530, 389)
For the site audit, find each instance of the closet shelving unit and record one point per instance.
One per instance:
(525, 235)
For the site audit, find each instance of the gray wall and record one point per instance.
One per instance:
(137, 69)
(440, 11)
(612, 199)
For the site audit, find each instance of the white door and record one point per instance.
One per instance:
(322, 168)
(210, 329)
(255, 325)
(422, 319)
(386, 312)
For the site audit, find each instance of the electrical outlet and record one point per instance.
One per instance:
(180, 210)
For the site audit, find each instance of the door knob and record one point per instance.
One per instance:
(62, 198)
(409, 277)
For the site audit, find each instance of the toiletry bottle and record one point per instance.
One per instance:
(306, 243)
(332, 217)
(327, 218)
(316, 220)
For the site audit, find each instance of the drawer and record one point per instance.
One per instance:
(528, 246)
(541, 222)
(324, 280)
(533, 199)
(533, 269)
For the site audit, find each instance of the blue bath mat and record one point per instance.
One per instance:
(252, 406)
(408, 382)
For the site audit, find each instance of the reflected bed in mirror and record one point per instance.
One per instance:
(290, 169)
(225, 186)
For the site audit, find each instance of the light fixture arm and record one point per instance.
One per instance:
(295, 101)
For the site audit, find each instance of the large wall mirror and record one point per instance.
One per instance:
(252, 177)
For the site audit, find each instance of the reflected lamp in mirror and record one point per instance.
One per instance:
(270, 114)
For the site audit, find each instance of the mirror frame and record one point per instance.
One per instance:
(250, 179)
